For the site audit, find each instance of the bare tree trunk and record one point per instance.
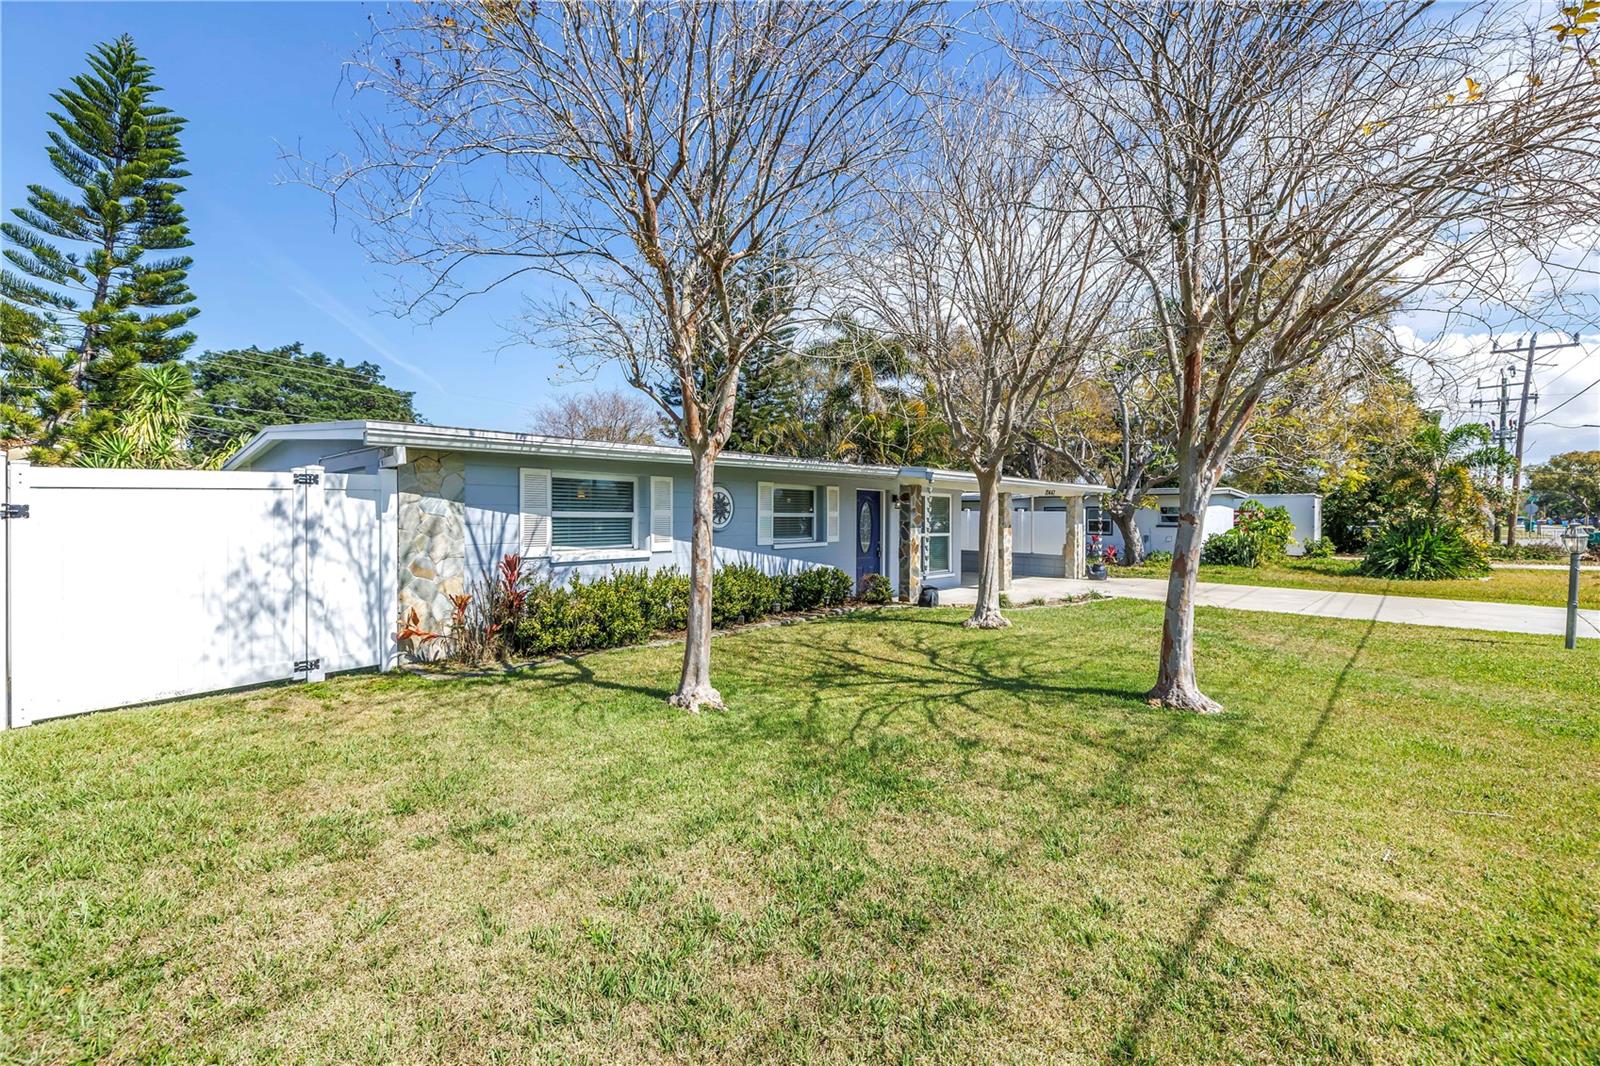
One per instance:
(986, 612)
(1176, 685)
(694, 687)
(1132, 544)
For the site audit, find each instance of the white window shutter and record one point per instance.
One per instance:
(535, 508)
(661, 514)
(833, 513)
(764, 513)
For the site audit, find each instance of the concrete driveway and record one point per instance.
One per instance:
(1406, 610)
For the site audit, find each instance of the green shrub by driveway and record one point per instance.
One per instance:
(1423, 549)
(1259, 535)
(906, 842)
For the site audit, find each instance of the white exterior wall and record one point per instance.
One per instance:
(1159, 538)
(1037, 539)
(1306, 510)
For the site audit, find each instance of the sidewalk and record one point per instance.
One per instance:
(1404, 610)
(1543, 566)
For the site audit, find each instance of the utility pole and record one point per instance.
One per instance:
(1521, 423)
(1500, 430)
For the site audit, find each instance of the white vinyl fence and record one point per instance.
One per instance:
(125, 586)
(1032, 532)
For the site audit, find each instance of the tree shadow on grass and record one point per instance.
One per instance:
(947, 688)
(996, 686)
(1175, 963)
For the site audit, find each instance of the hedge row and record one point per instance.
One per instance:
(631, 606)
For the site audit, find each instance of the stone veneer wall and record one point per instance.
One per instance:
(432, 537)
(913, 514)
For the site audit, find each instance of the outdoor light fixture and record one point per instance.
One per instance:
(1576, 539)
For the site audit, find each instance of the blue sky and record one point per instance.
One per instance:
(254, 80)
(258, 79)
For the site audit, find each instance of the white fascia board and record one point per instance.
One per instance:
(965, 481)
(446, 438)
(1221, 490)
(490, 441)
(347, 430)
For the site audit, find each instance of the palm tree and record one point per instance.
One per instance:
(153, 424)
(1439, 467)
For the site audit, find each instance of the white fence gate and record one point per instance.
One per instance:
(125, 586)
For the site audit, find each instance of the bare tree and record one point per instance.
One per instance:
(603, 415)
(1116, 427)
(997, 287)
(640, 153)
(1278, 173)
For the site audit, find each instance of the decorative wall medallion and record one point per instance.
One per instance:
(721, 507)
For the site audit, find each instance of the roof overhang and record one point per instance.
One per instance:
(1221, 490)
(347, 431)
(501, 442)
(966, 481)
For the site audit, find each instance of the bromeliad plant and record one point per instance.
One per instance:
(411, 632)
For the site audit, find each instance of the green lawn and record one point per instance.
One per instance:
(906, 841)
(1544, 588)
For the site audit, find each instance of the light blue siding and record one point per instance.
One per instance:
(493, 519)
(335, 455)
(493, 525)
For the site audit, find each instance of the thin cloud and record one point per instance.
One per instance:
(316, 296)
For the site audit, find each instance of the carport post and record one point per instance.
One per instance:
(913, 511)
(1005, 541)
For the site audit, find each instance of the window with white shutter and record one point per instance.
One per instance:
(833, 513)
(535, 508)
(794, 514)
(661, 514)
(592, 511)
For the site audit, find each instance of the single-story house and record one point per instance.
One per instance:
(1039, 524)
(468, 497)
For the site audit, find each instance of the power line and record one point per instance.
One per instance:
(229, 421)
(323, 373)
(1564, 373)
(329, 375)
(1564, 403)
(288, 362)
(1522, 421)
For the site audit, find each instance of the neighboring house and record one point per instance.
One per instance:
(468, 497)
(1158, 525)
(1039, 525)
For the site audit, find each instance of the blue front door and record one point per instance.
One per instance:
(869, 535)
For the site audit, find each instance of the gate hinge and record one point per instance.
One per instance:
(306, 666)
(308, 479)
(13, 510)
